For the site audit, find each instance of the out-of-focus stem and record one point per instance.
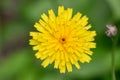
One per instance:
(113, 61)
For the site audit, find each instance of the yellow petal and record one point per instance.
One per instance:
(77, 65)
(60, 10)
(45, 63)
(69, 67)
(52, 58)
(56, 64)
(69, 13)
(51, 15)
(33, 42)
(38, 55)
(44, 17)
(77, 16)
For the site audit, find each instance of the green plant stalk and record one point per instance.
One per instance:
(113, 62)
(114, 43)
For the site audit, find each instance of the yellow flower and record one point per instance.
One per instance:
(63, 40)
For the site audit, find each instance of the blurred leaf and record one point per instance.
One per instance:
(14, 63)
(14, 30)
(115, 6)
(79, 4)
(99, 15)
(1, 40)
(34, 10)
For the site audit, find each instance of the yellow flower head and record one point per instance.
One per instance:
(63, 40)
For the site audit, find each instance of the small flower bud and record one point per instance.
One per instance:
(111, 30)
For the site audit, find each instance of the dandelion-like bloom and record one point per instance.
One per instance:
(63, 40)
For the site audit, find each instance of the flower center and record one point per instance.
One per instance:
(62, 40)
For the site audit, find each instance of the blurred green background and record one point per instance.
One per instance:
(17, 60)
